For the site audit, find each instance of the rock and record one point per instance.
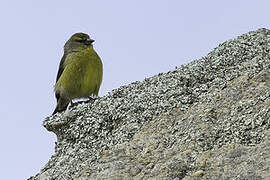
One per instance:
(208, 119)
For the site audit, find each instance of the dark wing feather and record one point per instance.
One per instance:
(60, 71)
(61, 67)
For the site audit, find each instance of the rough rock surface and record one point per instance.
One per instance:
(209, 119)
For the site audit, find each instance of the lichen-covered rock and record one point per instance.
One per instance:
(209, 119)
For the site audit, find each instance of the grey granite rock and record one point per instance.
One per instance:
(209, 119)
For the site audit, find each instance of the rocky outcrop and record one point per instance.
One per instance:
(209, 119)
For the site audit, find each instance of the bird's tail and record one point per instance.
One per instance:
(62, 105)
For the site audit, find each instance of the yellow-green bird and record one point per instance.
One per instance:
(80, 71)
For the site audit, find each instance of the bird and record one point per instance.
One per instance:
(80, 71)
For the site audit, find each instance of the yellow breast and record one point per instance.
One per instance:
(82, 75)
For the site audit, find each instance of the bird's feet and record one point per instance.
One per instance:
(90, 99)
(72, 104)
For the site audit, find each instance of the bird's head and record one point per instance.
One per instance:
(77, 42)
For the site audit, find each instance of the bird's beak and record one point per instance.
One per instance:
(89, 41)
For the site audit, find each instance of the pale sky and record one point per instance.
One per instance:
(135, 39)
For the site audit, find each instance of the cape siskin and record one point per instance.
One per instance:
(80, 71)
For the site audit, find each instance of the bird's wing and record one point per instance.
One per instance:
(61, 67)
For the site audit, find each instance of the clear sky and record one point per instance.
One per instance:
(135, 39)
